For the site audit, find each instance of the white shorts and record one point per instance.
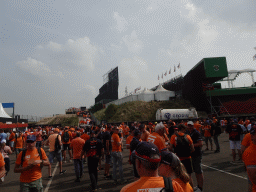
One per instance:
(235, 144)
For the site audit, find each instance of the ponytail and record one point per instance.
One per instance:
(181, 173)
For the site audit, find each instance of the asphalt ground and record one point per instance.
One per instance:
(219, 174)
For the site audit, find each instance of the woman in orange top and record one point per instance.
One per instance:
(207, 134)
(172, 167)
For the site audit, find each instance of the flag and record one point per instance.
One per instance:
(162, 76)
(178, 66)
(255, 48)
(158, 77)
(165, 73)
(170, 71)
(174, 68)
(254, 57)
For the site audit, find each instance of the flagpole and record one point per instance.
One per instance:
(180, 70)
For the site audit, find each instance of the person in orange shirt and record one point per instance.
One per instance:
(144, 132)
(172, 167)
(19, 143)
(117, 156)
(197, 126)
(207, 134)
(66, 140)
(157, 137)
(53, 153)
(30, 167)
(2, 168)
(77, 147)
(184, 154)
(147, 158)
(246, 142)
(249, 158)
(126, 131)
(11, 139)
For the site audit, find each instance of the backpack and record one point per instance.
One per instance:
(182, 148)
(66, 136)
(93, 148)
(57, 144)
(167, 185)
(24, 154)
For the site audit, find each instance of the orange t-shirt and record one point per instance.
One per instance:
(157, 140)
(174, 139)
(2, 163)
(126, 130)
(114, 140)
(34, 173)
(197, 126)
(70, 136)
(77, 146)
(85, 137)
(19, 142)
(147, 184)
(129, 139)
(249, 158)
(12, 136)
(207, 129)
(185, 186)
(52, 139)
(247, 140)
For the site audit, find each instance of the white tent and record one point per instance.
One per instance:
(146, 95)
(162, 94)
(3, 113)
(134, 97)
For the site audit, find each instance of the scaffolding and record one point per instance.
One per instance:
(233, 74)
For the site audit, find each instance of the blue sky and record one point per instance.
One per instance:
(54, 53)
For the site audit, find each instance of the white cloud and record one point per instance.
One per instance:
(54, 46)
(132, 42)
(35, 67)
(121, 23)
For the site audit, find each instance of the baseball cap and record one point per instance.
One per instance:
(31, 138)
(145, 151)
(190, 123)
(3, 141)
(169, 158)
(159, 126)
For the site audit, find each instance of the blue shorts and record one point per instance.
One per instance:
(54, 154)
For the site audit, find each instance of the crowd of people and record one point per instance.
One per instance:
(163, 155)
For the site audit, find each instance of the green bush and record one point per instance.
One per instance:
(110, 111)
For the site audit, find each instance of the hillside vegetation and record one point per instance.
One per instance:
(139, 110)
(64, 120)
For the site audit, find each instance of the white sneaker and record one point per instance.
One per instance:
(2, 180)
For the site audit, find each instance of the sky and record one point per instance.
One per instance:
(54, 53)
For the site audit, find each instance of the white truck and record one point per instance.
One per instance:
(175, 114)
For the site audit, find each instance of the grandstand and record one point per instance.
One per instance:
(202, 87)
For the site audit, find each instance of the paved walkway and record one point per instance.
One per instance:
(219, 174)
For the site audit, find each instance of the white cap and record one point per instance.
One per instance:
(190, 123)
(3, 141)
(159, 126)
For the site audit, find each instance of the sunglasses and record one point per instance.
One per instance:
(29, 141)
